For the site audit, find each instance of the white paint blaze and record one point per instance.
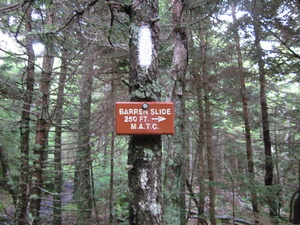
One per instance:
(145, 47)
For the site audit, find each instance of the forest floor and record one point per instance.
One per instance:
(7, 209)
(244, 215)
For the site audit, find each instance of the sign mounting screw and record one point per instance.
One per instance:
(145, 106)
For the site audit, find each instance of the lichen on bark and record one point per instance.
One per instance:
(145, 180)
(144, 152)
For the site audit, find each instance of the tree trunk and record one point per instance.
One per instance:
(41, 137)
(23, 187)
(200, 148)
(144, 153)
(83, 155)
(58, 177)
(42, 127)
(8, 181)
(175, 169)
(244, 96)
(295, 204)
(112, 156)
(296, 209)
(208, 128)
(264, 114)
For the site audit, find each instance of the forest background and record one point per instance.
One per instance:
(235, 153)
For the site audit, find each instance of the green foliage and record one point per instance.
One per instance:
(110, 58)
(171, 215)
(120, 208)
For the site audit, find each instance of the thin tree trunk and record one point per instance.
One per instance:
(245, 112)
(296, 209)
(8, 181)
(58, 178)
(23, 187)
(42, 127)
(295, 204)
(111, 182)
(112, 156)
(144, 152)
(269, 168)
(200, 149)
(83, 154)
(208, 128)
(41, 137)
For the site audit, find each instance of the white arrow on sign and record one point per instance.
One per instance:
(159, 118)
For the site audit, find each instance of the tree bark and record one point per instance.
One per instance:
(112, 162)
(200, 148)
(244, 99)
(41, 139)
(8, 181)
(296, 209)
(208, 127)
(269, 168)
(175, 171)
(42, 127)
(23, 187)
(83, 155)
(144, 152)
(58, 177)
(295, 204)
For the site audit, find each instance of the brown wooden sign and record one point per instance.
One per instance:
(144, 118)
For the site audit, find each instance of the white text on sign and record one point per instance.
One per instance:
(144, 118)
(144, 112)
(146, 126)
(139, 119)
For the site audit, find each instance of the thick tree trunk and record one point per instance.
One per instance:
(175, 166)
(83, 155)
(245, 113)
(145, 180)
(144, 153)
(23, 187)
(58, 177)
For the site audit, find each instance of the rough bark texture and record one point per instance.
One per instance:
(244, 96)
(83, 154)
(145, 180)
(144, 81)
(23, 187)
(144, 153)
(178, 71)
